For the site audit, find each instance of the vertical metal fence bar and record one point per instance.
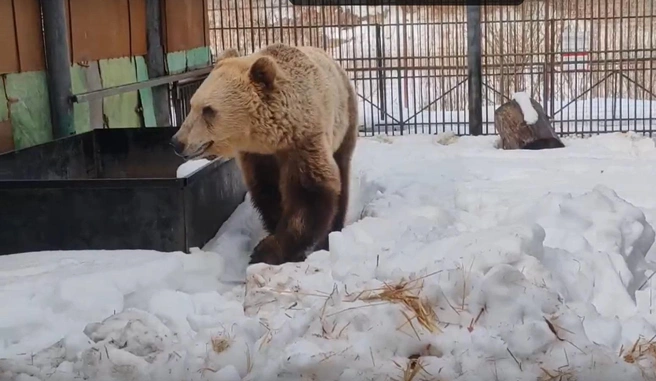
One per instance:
(651, 56)
(546, 100)
(474, 66)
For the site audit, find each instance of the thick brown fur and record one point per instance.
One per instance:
(289, 115)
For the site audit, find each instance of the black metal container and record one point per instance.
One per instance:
(112, 189)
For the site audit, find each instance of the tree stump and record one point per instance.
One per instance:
(517, 133)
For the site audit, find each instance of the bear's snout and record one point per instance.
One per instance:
(177, 145)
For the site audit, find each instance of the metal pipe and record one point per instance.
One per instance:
(474, 70)
(107, 92)
(155, 60)
(58, 67)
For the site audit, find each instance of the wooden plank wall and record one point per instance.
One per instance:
(9, 58)
(21, 50)
(186, 34)
(107, 40)
(98, 29)
(106, 29)
(182, 29)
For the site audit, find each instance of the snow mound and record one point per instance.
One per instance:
(458, 260)
(600, 230)
(446, 138)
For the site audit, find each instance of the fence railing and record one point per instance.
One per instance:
(591, 64)
(180, 88)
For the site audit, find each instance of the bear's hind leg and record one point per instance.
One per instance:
(262, 176)
(343, 158)
(310, 202)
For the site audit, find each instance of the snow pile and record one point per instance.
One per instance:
(524, 101)
(455, 266)
(190, 166)
(446, 138)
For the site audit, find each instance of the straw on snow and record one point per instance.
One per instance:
(640, 349)
(403, 294)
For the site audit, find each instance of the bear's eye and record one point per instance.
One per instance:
(208, 113)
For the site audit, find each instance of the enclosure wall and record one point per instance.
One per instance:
(107, 40)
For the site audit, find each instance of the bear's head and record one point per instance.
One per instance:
(226, 111)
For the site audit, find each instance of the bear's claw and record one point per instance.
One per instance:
(267, 251)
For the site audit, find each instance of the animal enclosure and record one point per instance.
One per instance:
(589, 63)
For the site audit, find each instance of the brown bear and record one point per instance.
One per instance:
(289, 116)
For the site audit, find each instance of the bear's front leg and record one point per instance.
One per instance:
(261, 175)
(311, 188)
(267, 251)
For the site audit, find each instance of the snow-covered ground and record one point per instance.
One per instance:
(460, 262)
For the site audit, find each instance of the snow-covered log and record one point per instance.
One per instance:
(523, 124)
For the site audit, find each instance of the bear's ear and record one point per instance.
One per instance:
(228, 53)
(263, 72)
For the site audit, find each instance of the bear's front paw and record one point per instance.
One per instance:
(267, 251)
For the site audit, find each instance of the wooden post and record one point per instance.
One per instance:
(155, 62)
(58, 67)
(474, 71)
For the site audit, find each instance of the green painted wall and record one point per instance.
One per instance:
(145, 95)
(24, 96)
(179, 62)
(29, 108)
(81, 116)
(120, 110)
(198, 58)
(176, 62)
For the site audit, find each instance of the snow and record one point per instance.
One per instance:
(524, 101)
(432, 91)
(580, 117)
(536, 265)
(190, 166)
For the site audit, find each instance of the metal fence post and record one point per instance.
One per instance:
(474, 71)
(380, 65)
(155, 61)
(58, 67)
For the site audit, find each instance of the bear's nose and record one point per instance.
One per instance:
(178, 147)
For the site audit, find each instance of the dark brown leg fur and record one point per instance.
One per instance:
(343, 159)
(310, 201)
(261, 175)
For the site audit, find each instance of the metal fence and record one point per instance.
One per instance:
(590, 63)
(181, 93)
